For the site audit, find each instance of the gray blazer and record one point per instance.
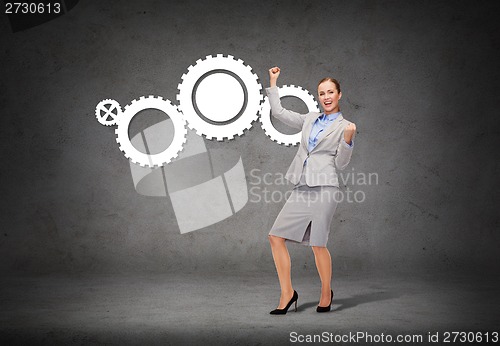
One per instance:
(330, 153)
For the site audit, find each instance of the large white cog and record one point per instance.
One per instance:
(216, 88)
(265, 114)
(151, 160)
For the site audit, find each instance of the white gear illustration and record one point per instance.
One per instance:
(233, 78)
(173, 149)
(108, 107)
(265, 114)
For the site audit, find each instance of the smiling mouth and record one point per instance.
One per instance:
(327, 103)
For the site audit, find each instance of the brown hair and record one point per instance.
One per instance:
(330, 79)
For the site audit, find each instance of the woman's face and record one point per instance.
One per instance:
(329, 97)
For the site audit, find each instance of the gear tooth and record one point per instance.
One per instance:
(199, 61)
(142, 98)
(220, 56)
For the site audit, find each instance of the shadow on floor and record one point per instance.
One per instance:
(347, 303)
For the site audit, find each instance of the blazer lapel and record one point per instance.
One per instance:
(306, 132)
(332, 127)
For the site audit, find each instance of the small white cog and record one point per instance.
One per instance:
(173, 149)
(220, 97)
(107, 109)
(265, 114)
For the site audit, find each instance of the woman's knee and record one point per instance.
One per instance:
(319, 249)
(274, 240)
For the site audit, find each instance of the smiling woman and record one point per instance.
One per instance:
(329, 94)
(326, 146)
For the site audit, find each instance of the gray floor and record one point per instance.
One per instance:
(233, 308)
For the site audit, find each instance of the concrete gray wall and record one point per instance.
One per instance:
(420, 80)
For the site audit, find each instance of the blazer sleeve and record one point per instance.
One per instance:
(344, 153)
(291, 118)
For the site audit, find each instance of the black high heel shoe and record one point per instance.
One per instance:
(295, 297)
(325, 308)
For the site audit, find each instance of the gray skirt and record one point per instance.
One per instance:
(307, 214)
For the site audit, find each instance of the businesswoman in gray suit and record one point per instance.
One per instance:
(326, 146)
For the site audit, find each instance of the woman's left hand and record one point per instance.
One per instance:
(349, 132)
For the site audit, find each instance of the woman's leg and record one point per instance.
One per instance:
(324, 265)
(283, 267)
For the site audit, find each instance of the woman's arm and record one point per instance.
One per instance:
(274, 73)
(349, 132)
(293, 119)
(344, 150)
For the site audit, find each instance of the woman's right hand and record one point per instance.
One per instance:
(274, 73)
